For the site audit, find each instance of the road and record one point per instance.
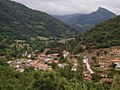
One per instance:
(88, 65)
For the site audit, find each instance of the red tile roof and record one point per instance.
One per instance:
(107, 80)
(116, 60)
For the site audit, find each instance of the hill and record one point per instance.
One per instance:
(103, 35)
(24, 28)
(87, 21)
(20, 22)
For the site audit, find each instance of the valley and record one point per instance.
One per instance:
(39, 51)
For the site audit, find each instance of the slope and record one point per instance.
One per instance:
(87, 21)
(20, 22)
(105, 34)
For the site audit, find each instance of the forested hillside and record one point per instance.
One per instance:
(20, 22)
(103, 35)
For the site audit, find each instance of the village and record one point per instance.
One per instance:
(43, 62)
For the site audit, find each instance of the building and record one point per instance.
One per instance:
(52, 61)
(115, 52)
(52, 56)
(41, 67)
(116, 61)
(41, 56)
(20, 65)
(87, 77)
(62, 65)
(74, 68)
(74, 64)
(106, 80)
(105, 63)
(66, 54)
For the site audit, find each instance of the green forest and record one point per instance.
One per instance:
(103, 35)
(19, 22)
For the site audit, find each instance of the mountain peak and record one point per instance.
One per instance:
(102, 9)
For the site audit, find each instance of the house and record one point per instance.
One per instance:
(115, 52)
(74, 68)
(116, 61)
(31, 64)
(106, 80)
(52, 61)
(105, 63)
(41, 67)
(20, 65)
(87, 77)
(74, 64)
(51, 57)
(66, 54)
(29, 55)
(41, 56)
(9, 62)
(17, 65)
(62, 65)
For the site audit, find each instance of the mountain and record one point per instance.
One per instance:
(20, 22)
(87, 21)
(105, 34)
(23, 28)
(66, 17)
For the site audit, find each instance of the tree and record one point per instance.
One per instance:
(116, 83)
(80, 67)
(93, 58)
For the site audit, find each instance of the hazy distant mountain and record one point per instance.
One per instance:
(86, 21)
(67, 17)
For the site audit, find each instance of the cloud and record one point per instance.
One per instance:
(62, 7)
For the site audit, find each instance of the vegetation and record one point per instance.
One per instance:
(103, 35)
(22, 31)
(19, 22)
(56, 47)
(61, 79)
(84, 22)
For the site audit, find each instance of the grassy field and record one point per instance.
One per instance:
(65, 40)
(43, 38)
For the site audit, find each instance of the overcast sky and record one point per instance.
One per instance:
(64, 7)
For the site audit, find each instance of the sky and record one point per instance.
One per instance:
(65, 7)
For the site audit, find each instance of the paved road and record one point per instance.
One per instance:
(88, 65)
